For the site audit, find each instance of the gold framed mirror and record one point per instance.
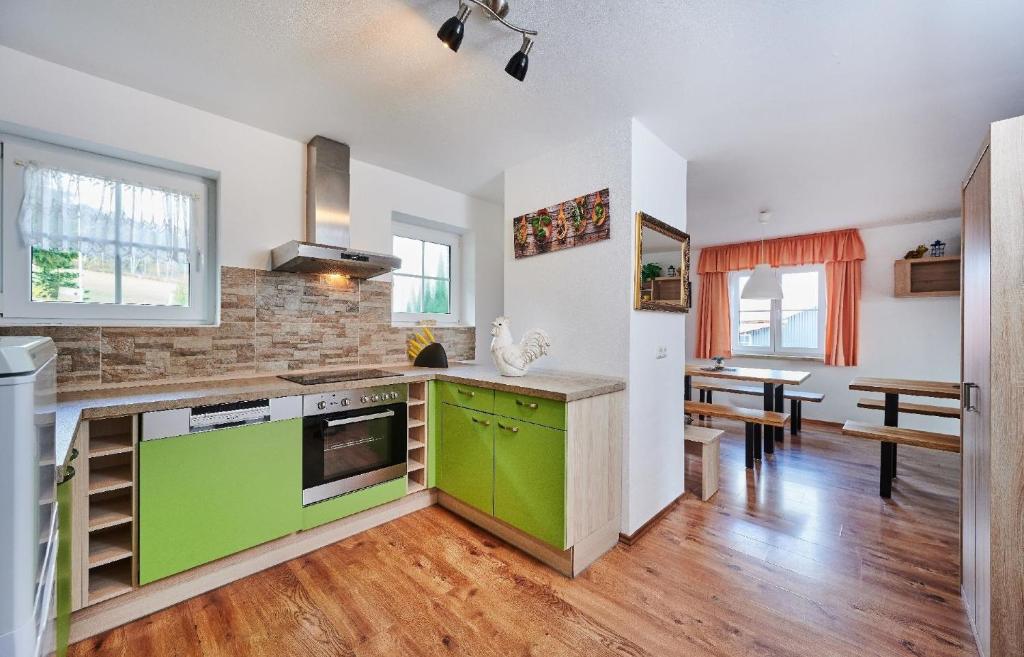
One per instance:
(661, 268)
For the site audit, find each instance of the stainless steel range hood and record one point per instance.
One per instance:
(326, 250)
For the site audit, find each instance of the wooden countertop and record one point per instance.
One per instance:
(787, 377)
(113, 401)
(939, 389)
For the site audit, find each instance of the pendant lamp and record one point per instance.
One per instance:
(764, 282)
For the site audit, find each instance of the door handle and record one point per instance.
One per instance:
(486, 423)
(360, 418)
(530, 405)
(69, 474)
(508, 428)
(969, 402)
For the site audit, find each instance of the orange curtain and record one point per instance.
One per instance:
(841, 251)
(714, 328)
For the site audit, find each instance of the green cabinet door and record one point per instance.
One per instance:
(65, 511)
(207, 495)
(529, 479)
(465, 456)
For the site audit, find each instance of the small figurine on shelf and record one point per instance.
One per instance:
(916, 253)
(672, 271)
(938, 249)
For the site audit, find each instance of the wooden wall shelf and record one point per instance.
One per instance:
(927, 277)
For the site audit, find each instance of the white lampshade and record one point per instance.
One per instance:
(762, 284)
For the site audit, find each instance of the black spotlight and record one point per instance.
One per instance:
(451, 32)
(520, 61)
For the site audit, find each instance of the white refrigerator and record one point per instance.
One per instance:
(28, 508)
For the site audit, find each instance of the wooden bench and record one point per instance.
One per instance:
(752, 418)
(795, 397)
(708, 441)
(913, 409)
(892, 436)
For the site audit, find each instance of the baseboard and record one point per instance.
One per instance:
(644, 528)
(164, 593)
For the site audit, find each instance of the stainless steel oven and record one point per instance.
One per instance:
(352, 439)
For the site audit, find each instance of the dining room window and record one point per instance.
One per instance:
(791, 326)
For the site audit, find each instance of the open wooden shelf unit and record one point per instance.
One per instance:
(927, 277)
(109, 539)
(417, 438)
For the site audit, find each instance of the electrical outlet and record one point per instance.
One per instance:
(662, 353)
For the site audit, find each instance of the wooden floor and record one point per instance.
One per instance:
(800, 557)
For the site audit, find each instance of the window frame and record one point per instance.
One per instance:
(453, 241)
(774, 347)
(16, 304)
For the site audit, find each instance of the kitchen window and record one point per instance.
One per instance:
(90, 239)
(792, 326)
(427, 284)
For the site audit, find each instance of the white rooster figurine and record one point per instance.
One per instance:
(514, 359)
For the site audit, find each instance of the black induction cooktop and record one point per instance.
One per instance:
(338, 376)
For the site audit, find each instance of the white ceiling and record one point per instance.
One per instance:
(830, 113)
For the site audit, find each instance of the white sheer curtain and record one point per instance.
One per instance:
(94, 216)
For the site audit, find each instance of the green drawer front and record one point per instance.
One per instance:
(465, 456)
(529, 479)
(208, 495)
(479, 399)
(349, 504)
(547, 412)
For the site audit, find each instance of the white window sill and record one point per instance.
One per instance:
(399, 324)
(738, 354)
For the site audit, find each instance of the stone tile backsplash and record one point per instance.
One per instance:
(270, 322)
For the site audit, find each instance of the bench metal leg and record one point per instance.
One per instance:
(703, 395)
(892, 419)
(750, 446)
(780, 407)
(687, 387)
(794, 417)
(710, 397)
(757, 448)
(885, 483)
(769, 443)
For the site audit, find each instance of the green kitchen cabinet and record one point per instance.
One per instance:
(458, 394)
(433, 421)
(529, 479)
(349, 504)
(465, 459)
(546, 412)
(65, 513)
(207, 495)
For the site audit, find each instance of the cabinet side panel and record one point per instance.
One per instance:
(1007, 399)
(593, 463)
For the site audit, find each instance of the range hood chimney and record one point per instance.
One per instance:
(326, 249)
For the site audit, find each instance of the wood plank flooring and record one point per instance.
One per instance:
(800, 557)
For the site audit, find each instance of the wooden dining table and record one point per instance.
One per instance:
(892, 389)
(774, 382)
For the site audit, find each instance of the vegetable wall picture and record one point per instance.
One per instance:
(579, 221)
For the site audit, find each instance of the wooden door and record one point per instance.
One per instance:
(975, 427)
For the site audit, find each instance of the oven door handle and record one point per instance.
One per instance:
(360, 418)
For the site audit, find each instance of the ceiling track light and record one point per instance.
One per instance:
(454, 29)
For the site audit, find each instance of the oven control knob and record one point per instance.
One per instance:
(393, 395)
(375, 398)
(321, 405)
(364, 399)
(346, 401)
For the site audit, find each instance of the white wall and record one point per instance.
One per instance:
(900, 338)
(583, 296)
(654, 448)
(261, 176)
